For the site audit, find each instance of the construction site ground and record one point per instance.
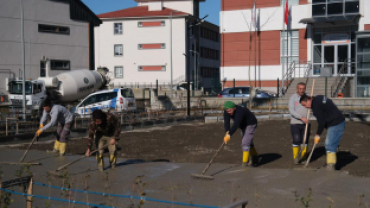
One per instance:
(167, 156)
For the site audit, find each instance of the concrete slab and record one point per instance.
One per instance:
(172, 182)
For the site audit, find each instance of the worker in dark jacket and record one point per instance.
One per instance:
(328, 116)
(247, 122)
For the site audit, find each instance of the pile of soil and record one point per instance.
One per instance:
(197, 143)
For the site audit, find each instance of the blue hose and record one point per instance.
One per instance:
(54, 199)
(124, 196)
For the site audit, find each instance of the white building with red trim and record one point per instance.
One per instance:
(135, 44)
(322, 35)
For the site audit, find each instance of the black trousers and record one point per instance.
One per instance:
(297, 131)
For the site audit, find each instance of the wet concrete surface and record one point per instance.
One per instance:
(171, 181)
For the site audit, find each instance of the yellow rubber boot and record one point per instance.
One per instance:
(113, 160)
(62, 148)
(55, 148)
(245, 158)
(295, 155)
(100, 161)
(331, 160)
(304, 152)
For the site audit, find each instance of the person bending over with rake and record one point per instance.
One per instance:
(247, 122)
(106, 129)
(328, 116)
(61, 116)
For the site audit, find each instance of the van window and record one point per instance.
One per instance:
(106, 96)
(127, 93)
(89, 101)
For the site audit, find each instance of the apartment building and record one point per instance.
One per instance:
(143, 44)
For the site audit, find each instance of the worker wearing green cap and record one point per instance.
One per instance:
(247, 122)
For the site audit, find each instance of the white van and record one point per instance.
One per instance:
(115, 100)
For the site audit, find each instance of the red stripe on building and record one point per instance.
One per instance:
(228, 5)
(303, 2)
(151, 24)
(151, 46)
(367, 27)
(237, 49)
(151, 68)
(303, 45)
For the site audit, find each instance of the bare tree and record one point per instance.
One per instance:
(253, 36)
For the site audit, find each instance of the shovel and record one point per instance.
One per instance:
(207, 177)
(56, 172)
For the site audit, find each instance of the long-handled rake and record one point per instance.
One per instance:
(207, 177)
(28, 148)
(56, 172)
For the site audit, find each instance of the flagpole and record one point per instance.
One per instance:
(255, 45)
(287, 40)
(282, 64)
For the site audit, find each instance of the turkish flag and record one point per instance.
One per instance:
(286, 15)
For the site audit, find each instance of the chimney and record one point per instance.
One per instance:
(155, 6)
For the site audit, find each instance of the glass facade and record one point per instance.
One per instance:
(332, 46)
(363, 65)
(322, 8)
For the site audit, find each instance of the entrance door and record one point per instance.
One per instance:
(335, 56)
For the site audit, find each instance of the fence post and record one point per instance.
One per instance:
(1, 192)
(6, 127)
(326, 86)
(16, 127)
(29, 192)
(234, 86)
(278, 83)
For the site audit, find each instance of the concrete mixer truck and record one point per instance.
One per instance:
(64, 88)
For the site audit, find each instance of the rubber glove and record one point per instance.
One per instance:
(38, 133)
(317, 139)
(41, 126)
(227, 137)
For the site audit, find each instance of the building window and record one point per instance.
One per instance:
(151, 24)
(290, 2)
(118, 50)
(335, 7)
(209, 72)
(152, 68)
(209, 34)
(60, 65)
(289, 46)
(117, 28)
(152, 46)
(54, 29)
(209, 53)
(118, 72)
(42, 69)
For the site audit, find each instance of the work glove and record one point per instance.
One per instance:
(41, 126)
(227, 137)
(38, 132)
(317, 139)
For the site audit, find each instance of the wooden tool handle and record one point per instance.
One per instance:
(28, 148)
(209, 164)
(308, 118)
(309, 158)
(68, 164)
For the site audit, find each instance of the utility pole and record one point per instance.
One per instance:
(23, 61)
(171, 52)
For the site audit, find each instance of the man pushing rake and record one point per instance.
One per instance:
(247, 122)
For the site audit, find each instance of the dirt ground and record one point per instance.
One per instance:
(197, 143)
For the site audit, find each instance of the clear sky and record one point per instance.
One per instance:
(210, 7)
